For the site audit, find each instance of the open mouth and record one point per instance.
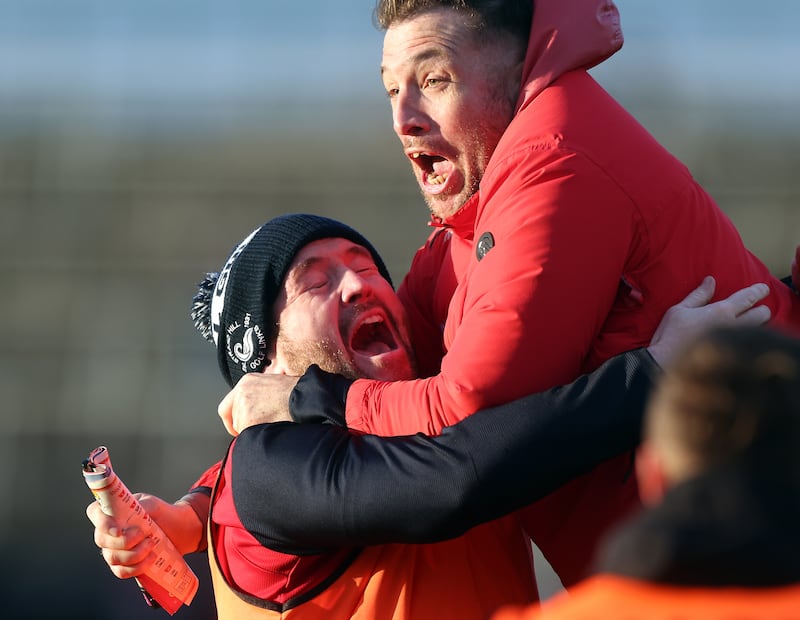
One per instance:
(373, 337)
(435, 169)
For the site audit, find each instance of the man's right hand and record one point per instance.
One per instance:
(686, 320)
(127, 550)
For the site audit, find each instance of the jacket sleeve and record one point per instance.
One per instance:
(300, 487)
(531, 307)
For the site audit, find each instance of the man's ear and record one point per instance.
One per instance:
(650, 474)
(276, 364)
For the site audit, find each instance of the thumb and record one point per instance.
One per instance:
(225, 412)
(152, 505)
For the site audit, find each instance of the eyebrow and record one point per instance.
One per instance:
(307, 265)
(359, 250)
(428, 54)
(310, 263)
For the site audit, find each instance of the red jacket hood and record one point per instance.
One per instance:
(567, 35)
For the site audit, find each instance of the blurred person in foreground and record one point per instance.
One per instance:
(562, 233)
(315, 520)
(719, 468)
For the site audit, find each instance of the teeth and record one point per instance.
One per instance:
(414, 155)
(436, 179)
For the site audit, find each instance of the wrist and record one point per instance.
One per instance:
(194, 508)
(319, 397)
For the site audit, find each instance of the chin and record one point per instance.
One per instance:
(445, 205)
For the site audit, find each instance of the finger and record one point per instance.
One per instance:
(126, 564)
(129, 557)
(744, 299)
(96, 515)
(225, 405)
(701, 295)
(753, 317)
(151, 504)
(114, 539)
(126, 572)
(225, 412)
(104, 525)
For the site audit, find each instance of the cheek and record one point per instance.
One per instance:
(493, 110)
(306, 320)
(398, 312)
(476, 131)
(457, 119)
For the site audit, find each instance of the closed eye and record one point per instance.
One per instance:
(315, 285)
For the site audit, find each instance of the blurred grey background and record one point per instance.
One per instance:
(141, 139)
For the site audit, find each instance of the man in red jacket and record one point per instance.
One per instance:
(563, 232)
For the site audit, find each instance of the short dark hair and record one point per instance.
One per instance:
(489, 16)
(733, 394)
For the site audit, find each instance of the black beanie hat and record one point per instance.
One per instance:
(233, 308)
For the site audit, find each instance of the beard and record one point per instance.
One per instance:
(445, 205)
(298, 356)
(480, 143)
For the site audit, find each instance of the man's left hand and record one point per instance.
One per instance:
(257, 398)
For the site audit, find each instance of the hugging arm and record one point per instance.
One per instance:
(305, 487)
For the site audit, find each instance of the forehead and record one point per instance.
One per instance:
(438, 32)
(326, 250)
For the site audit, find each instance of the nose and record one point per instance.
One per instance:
(408, 115)
(354, 287)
